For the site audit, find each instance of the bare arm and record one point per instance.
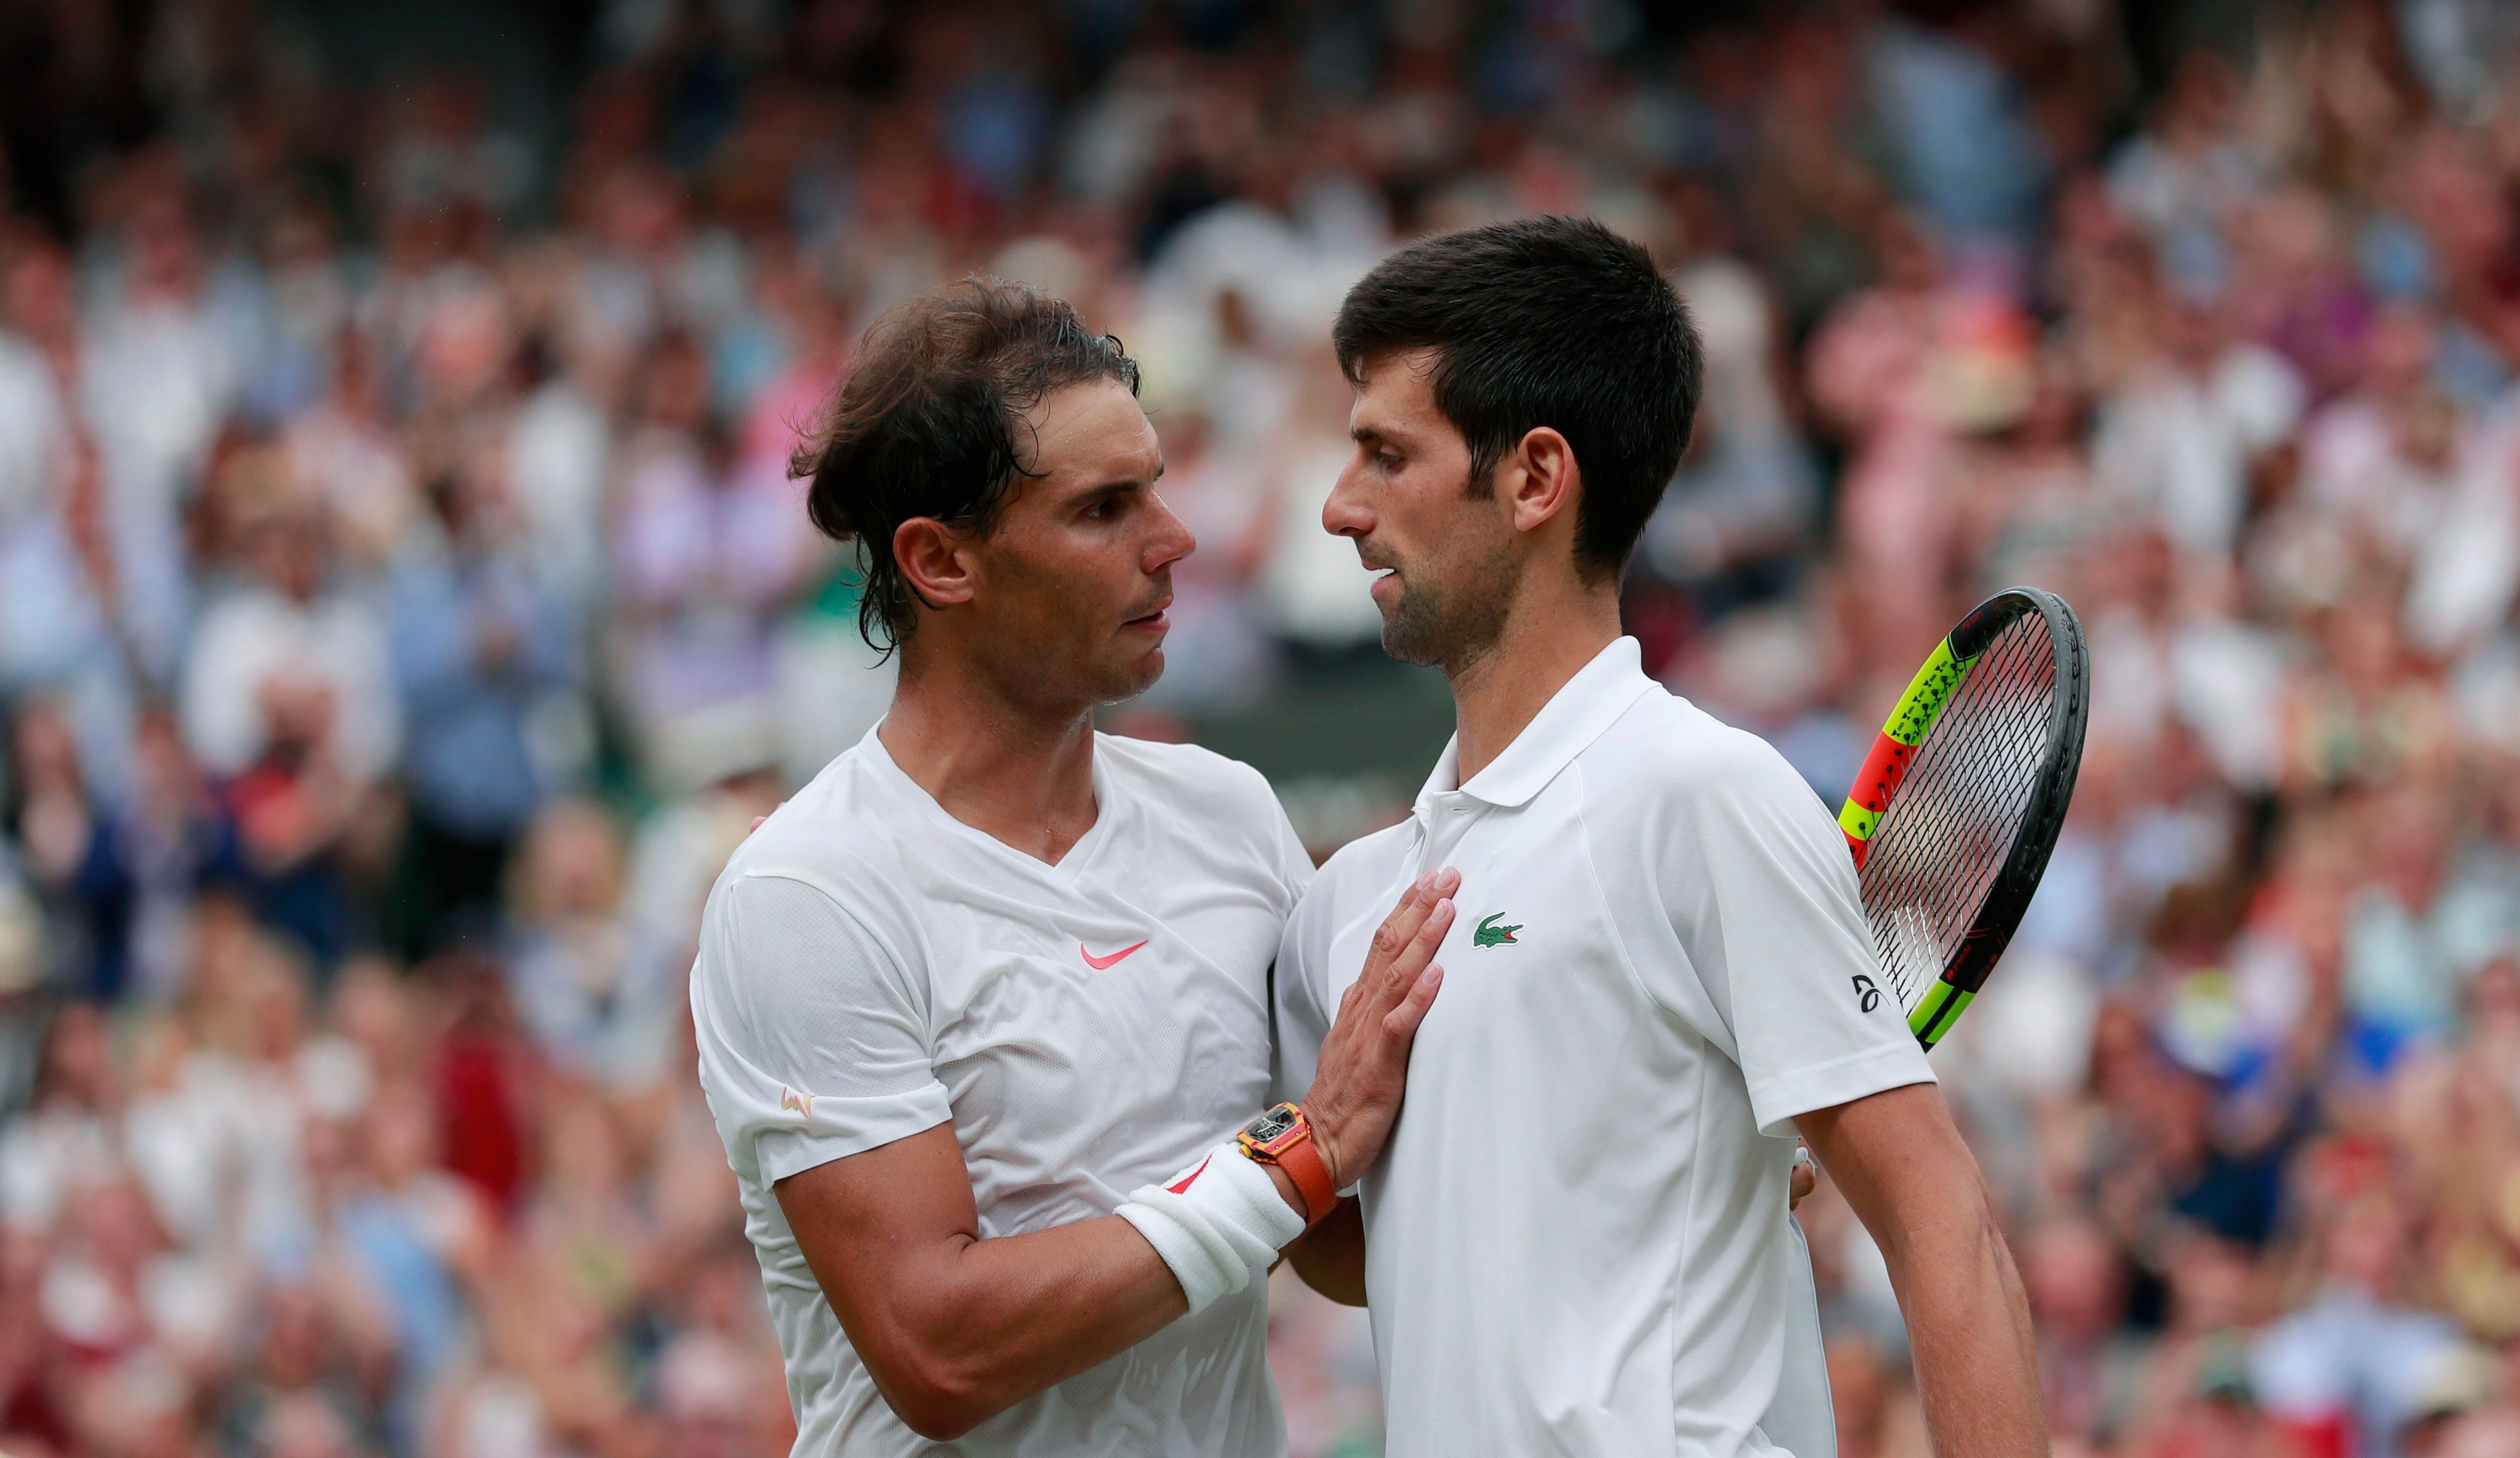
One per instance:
(956, 1329)
(1911, 1180)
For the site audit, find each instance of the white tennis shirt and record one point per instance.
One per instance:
(1576, 1240)
(871, 967)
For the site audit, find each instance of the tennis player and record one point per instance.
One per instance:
(980, 1009)
(1576, 1242)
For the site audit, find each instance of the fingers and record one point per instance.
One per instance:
(1402, 924)
(1419, 953)
(1405, 945)
(1805, 1180)
(1402, 1021)
(1406, 919)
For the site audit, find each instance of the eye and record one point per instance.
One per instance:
(1386, 460)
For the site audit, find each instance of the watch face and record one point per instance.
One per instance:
(1271, 1125)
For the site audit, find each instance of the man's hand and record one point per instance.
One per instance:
(1904, 1170)
(1364, 1065)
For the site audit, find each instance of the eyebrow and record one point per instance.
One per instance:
(1109, 489)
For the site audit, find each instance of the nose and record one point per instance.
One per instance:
(1168, 539)
(1345, 513)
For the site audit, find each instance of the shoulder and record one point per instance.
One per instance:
(1191, 782)
(836, 836)
(1187, 766)
(1665, 746)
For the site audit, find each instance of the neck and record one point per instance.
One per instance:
(1547, 638)
(1021, 773)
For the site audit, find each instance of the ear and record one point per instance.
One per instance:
(933, 561)
(1537, 481)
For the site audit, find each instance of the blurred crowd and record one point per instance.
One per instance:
(404, 608)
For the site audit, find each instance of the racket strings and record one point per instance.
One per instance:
(1953, 840)
(1946, 839)
(1949, 829)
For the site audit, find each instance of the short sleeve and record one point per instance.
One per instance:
(1763, 898)
(814, 1037)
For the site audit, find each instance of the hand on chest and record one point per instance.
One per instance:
(1529, 940)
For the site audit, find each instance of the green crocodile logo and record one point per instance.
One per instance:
(1489, 934)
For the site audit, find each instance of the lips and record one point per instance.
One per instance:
(1152, 619)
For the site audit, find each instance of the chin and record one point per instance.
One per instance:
(1130, 678)
(1409, 638)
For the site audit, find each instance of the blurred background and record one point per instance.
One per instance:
(403, 609)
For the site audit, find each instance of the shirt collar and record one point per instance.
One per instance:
(1577, 714)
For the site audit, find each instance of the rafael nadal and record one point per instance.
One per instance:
(981, 1009)
(1576, 1239)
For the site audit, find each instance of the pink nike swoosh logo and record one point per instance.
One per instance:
(1097, 963)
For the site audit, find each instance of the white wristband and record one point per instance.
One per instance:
(1216, 1223)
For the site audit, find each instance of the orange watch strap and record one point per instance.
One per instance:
(1302, 1162)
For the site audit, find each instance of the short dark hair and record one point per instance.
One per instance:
(1547, 321)
(930, 421)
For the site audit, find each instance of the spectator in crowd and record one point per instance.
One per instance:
(477, 644)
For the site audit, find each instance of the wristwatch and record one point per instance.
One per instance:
(1283, 1138)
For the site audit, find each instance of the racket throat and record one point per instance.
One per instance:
(1941, 1006)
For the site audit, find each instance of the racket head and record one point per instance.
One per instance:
(1955, 813)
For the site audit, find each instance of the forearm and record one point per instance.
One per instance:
(955, 1328)
(1968, 1323)
(1072, 1295)
(995, 1321)
(1904, 1170)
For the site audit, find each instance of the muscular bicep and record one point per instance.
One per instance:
(953, 1328)
(881, 1230)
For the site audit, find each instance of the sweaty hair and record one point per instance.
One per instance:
(933, 421)
(1554, 321)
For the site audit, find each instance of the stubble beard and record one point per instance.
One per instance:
(1450, 627)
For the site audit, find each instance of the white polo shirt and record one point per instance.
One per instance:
(1576, 1240)
(871, 967)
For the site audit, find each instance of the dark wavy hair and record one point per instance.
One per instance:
(1547, 321)
(933, 420)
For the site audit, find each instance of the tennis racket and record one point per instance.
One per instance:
(1958, 806)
